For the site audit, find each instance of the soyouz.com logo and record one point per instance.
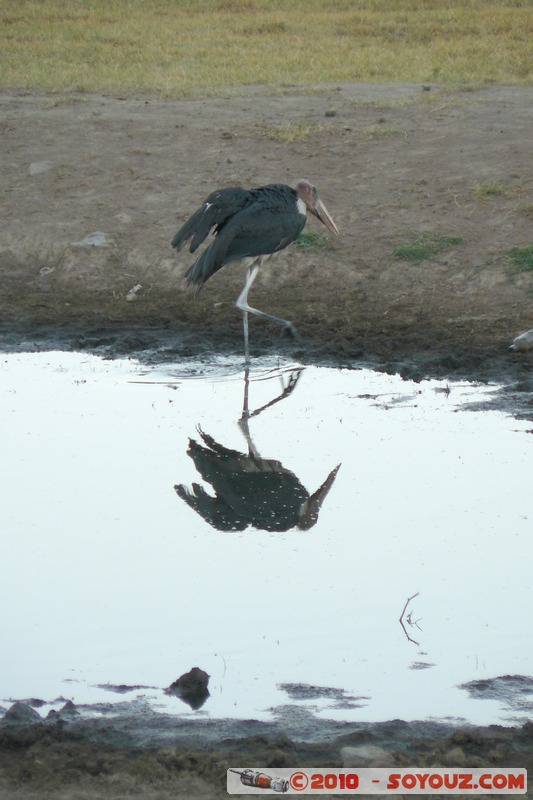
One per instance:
(407, 780)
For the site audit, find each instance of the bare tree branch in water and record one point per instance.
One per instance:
(409, 619)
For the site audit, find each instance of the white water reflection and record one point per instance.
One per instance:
(109, 576)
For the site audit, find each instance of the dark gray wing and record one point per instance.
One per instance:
(254, 231)
(214, 510)
(214, 212)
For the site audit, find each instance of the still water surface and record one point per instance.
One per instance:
(277, 570)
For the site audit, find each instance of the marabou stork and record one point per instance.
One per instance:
(249, 225)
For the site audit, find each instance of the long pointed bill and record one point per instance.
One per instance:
(310, 508)
(320, 211)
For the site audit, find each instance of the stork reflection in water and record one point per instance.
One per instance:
(250, 490)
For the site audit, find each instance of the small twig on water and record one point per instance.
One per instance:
(224, 662)
(412, 622)
(409, 638)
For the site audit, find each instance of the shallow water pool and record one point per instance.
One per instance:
(279, 575)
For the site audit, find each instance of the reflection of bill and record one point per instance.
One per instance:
(259, 780)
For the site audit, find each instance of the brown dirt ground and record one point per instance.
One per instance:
(389, 161)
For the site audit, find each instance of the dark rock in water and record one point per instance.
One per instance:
(69, 709)
(306, 691)
(193, 680)
(21, 714)
(34, 702)
(122, 688)
(191, 687)
(514, 691)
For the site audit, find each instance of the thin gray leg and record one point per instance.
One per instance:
(243, 422)
(250, 277)
(243, 305)
(246, 339)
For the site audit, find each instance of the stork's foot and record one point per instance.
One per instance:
(289, 328)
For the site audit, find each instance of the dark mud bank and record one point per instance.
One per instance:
(169, 343)
(136, 752)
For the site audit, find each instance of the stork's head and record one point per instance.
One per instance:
(309, 195)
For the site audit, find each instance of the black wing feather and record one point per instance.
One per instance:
(254, 231)
(215, 211)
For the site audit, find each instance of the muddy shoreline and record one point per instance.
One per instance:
(136, 754)
(511, 373)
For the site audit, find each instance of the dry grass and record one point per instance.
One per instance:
(290, 132)
(377, 131)
(178, 49)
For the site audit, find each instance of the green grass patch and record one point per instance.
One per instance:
(312, 241)
(175, 48)
(522, 258)
(424, 247)
(487, 189)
